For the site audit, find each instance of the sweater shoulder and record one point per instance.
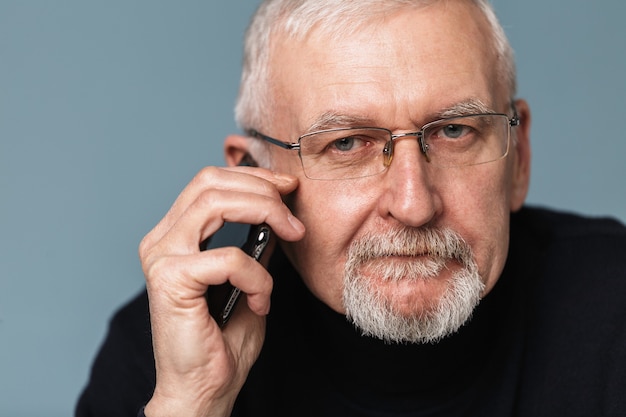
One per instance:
(566, 225)
(122, 376)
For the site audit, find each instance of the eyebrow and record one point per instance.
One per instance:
(333, 119)
(464, 108)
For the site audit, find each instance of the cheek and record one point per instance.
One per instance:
(333, 214)
(479, 210)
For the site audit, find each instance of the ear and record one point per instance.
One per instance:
(520, 178)
(235, 149)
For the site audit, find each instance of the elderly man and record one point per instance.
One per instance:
(405, 277)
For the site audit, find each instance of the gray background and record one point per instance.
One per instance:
(108, 108)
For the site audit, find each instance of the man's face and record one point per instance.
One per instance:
(400, 72)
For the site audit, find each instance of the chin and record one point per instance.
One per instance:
(410, 310)
(410, 298)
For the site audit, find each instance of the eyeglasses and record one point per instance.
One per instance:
(358, 152)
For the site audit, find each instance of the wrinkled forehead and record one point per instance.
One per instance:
(311, 25)
(387, 54)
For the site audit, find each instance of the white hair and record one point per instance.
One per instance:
(426, 252)
(336, 18)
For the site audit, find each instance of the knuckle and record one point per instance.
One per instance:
(170, 281)
(267, 285)
(230, 255)
(207, 175)
(269, 189)
(206, 198)
(155, 269)
(144, 246)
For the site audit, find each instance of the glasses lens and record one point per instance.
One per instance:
(360, 152)
(343, 153)
(468, 140)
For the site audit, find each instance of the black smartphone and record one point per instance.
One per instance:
(253, 240)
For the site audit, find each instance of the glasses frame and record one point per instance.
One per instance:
(388, 149)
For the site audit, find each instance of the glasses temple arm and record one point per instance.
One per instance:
(515, 120)
(285, 145)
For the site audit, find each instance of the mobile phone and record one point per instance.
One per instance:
(222, 299)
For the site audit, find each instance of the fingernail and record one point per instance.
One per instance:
(295, 223)
(283, 177)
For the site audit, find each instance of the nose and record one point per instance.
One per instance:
(409, 195)
(389, 147)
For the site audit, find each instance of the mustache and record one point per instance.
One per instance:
(432, 242)
(425, 252)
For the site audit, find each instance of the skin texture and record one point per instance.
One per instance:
(401, 80)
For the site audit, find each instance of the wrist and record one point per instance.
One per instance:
(162, 407)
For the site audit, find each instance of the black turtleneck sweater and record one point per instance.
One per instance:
(548, 340)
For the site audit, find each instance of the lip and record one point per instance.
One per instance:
(401, 256)
(426, 265)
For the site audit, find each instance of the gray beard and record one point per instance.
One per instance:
(376, 316)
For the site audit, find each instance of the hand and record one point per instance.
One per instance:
(200, 367)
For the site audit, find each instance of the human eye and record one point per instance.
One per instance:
(349, 143)
(454, 131)
(344, 145)
(460, 131)
(464, 140)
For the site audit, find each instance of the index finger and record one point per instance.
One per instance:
(236, 179)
